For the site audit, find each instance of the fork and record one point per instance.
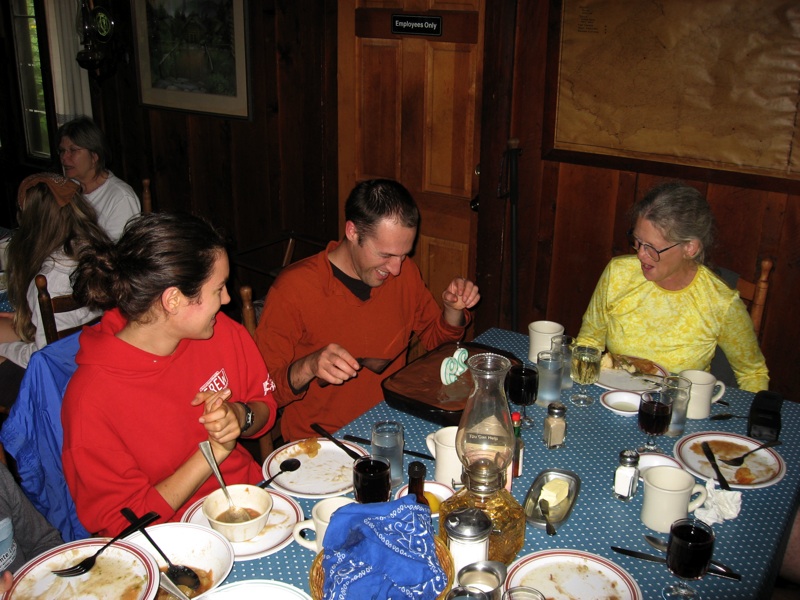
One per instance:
(739, 460)
(88, 562)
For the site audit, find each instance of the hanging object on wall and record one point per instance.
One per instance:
(96, 27)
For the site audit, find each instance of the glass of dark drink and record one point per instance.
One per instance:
(689, 552)
(372, 479)
(522, 384)
(655, 412)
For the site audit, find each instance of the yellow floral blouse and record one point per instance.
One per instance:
(679, 330)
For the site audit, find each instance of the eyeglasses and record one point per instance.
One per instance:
(652, 253)
(69, 151)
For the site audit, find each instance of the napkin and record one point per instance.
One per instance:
(720, 505)
(382, 551)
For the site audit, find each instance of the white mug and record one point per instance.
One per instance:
(668, 495)
(442, 444)
(541, 334)
(706, 389)
(320, 519)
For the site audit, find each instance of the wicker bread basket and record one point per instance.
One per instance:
(317, 576)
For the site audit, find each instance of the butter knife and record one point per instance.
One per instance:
(713, 460)
(712, 569)
(320, 430)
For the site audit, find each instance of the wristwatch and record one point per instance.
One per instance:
(249, 416)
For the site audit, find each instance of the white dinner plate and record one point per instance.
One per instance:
(327, 474)
(621, 403)
(277, 533)
(440, 490)
(619, 379)
(121, 568)
(572, 575)
(766, 466)
(257, 589)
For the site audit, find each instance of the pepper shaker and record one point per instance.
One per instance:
(555, 425)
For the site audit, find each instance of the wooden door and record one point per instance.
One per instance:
(409, 109)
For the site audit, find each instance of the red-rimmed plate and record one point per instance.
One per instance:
(572, 574)
(766, 467)
(619, 379)
(276, 535)
(122, 570)
(325, 469)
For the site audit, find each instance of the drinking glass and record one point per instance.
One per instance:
(680, 390)
(387, 441)
(550, 365)
(584, 370)
(655, 412)
(689, 552)
(372, 479)
(564, 343)
(521, 388)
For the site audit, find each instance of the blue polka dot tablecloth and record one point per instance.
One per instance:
(749, 544)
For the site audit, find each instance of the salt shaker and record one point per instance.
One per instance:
(626, 478)
(468, 532)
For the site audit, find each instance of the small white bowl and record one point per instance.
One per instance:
(244, 496)
(440, 490)
(190, 545)
(622, 403)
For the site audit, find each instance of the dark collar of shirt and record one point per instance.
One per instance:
(358, 288)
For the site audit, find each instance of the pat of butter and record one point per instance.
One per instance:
(554, 491)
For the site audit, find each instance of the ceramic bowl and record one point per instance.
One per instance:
(440, 490)
(244, 496)
(194, 546)
(622, 403)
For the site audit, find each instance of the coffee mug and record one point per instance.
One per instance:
(541, 334)
(706, 389)
(668, 495)
(320, 519)
(442, 444)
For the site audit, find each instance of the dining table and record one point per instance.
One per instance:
(751, 544)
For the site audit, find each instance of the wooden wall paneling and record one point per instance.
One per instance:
(738, 231)
(378, 109)
(498, 77)
(171, 181)
(210, 173)
(449, 126)
(304, 164)
(782, 327)
(585, 213)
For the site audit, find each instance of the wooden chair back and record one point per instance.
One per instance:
(266, 443)
(147, 198)
(50, 307)
(754, 294)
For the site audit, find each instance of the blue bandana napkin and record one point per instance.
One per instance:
(382, 551)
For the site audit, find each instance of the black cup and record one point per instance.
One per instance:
(372, 479)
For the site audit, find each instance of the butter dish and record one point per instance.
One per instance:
(559, 513)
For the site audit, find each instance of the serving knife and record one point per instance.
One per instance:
(712, 569)
(713, 460)
(319, 429)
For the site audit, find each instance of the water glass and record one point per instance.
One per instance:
(564, 343)
(551, 366)
(523, 593)
(680, 390)
(387, 441)
(372, 479)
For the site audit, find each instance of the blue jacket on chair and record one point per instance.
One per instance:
(33, 435)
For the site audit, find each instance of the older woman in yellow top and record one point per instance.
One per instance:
(664, 303)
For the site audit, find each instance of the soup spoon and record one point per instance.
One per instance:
(286, 466)
(234, 514)
(178, 574)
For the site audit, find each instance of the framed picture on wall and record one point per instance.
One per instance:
(192, 56)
